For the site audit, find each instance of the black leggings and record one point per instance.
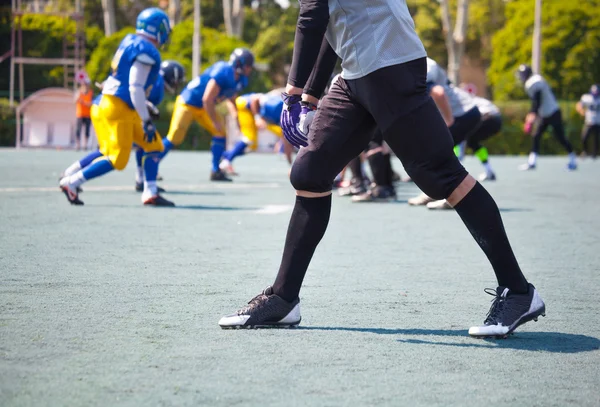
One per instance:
(486, 129)
(588, 130)
(558, 129)
(408, 118)
(83, 121)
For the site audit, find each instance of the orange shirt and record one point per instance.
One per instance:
(83, 100)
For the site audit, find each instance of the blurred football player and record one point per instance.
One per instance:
(121, 118)
(544, 112)
(170, 78)
(198, 100)
(490, 125)
(589, 107)
(458, 111)
(255, 111)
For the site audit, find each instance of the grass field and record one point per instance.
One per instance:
(115, 304)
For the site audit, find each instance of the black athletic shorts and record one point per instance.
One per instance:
(464, 125)
(393, 99)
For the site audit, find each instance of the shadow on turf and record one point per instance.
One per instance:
(516, 210)
(184, 192)
(554, 342)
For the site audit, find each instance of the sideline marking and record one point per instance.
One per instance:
(273, 209)
(199, 187)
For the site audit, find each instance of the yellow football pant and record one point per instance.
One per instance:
(117, 128)
(248, 124)
(182, 119)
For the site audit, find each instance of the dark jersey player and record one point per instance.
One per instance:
(383, 86)
(544, 113)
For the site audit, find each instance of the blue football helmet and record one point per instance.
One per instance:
(173, 74)
(595, 90)
(240, 58)
(154, 23)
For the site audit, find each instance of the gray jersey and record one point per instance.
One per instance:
(592, 109)
(548, 104)
(460, 101)
(370, 35)
(486, 107)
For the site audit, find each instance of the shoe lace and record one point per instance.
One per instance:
(255, 302)
(499, 307)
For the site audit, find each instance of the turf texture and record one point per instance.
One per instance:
(116, 304)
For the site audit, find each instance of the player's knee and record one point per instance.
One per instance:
(305, 176)
(439, 176)
(119, 162)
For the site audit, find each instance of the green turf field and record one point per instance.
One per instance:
(115, 304)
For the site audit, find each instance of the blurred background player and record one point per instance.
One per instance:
(379, 157)
(170, 78)
(83, 103)
(589, 107)
(154, 99)
(459, 112)
(490, 125)
(544, 112)
(256, 111)
(121, 118)
(222, 81)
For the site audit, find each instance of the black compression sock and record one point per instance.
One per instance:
(307, 227)
(378, 168)
(479, 212)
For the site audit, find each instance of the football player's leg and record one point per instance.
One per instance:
(539, 127)
(249, 135)
(487, 129)
(422, 142)
(88, 123)
(150, 161)
(340, 130)
(596, 141)
(180, 123)
(558, 130)
(217, 145)
(586, 132)
(139, 169)
(80, 164)
(249, 139)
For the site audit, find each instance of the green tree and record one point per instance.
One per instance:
(570, 47)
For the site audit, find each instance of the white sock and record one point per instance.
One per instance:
(139, 175)
(150, 188)
(532, 159)
(72, 169)
(488, 168)
(76, 179)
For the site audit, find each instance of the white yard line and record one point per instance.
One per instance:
(273, 209)
(199, 187)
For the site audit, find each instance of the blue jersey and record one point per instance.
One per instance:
(156, 94)
(132, 48)
(158, 91)
(271, 107)
(223, 74)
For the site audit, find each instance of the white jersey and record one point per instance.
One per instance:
(370, 35)
(486, 107)
(592, 109)
(548, 104)
(460, 101)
